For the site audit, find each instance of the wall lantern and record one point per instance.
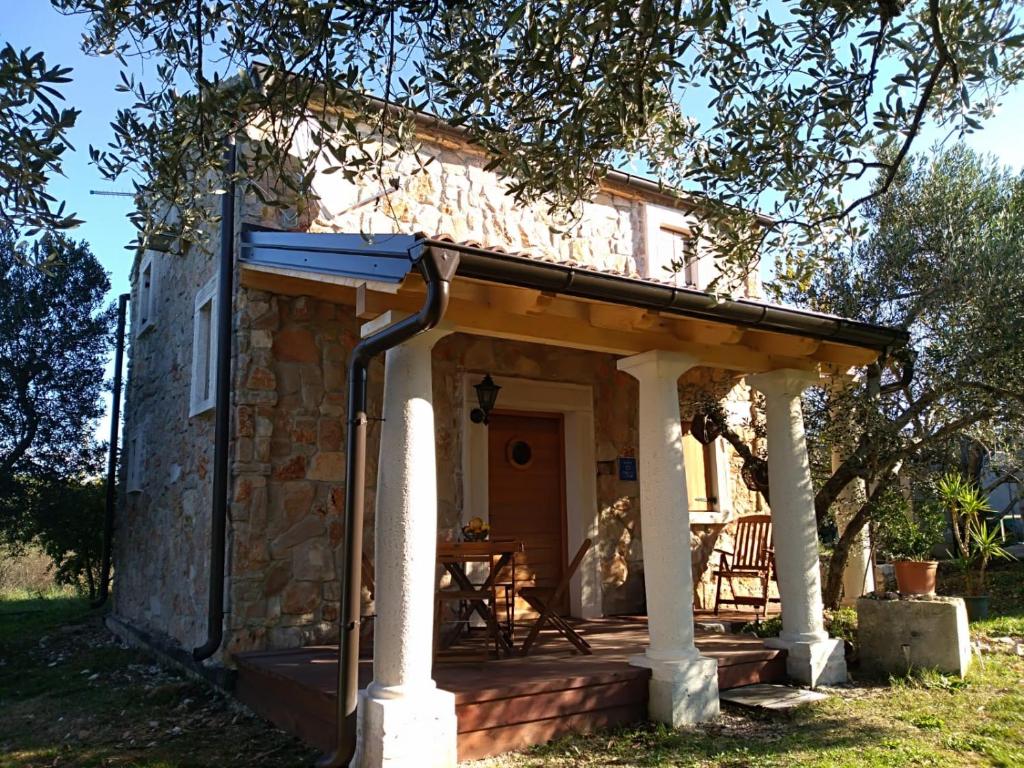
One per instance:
(487, 396)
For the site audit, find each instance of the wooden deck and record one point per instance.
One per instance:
(508, 703)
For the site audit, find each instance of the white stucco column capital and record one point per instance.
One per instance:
(425, 339)
(658, 363)
(784, 382)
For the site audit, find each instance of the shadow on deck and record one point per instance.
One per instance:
(508, 703)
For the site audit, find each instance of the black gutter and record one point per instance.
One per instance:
(482, 264)
(437, 269)
(222, 416)
(115, 424)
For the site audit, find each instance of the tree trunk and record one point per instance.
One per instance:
(832, 593)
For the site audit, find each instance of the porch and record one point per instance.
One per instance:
(509, 703)
(552, 435)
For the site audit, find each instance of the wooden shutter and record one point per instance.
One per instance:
(700, 483)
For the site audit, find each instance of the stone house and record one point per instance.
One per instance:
(601, 390)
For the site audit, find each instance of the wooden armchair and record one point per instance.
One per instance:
(752, 557)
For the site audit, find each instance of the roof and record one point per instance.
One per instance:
(388, 258)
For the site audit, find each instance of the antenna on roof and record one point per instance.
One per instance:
(110, 194)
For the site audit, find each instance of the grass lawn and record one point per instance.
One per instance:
(926, 720)
(71, 696)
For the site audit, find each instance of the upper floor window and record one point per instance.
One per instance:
(204, 350)
(135, 459)
(145, 313)
(679, 253)
(671, 247)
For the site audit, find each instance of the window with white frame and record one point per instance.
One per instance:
(135, 460)
(204, 350)
(708, 489)
(145, 313)
(679, 251)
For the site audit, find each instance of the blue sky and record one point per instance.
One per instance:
(34, 24)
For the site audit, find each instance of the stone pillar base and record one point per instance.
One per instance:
(682, 691)
(412, 729)
(815, 662)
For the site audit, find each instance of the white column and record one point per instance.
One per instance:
(813, 657)
(684, 684)
(404, 719)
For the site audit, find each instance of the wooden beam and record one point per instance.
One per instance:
(780, 343)
(522, 301)
(564, 321)
(844, 355)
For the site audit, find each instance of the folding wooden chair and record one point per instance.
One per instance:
(544, 600)
(752, 557)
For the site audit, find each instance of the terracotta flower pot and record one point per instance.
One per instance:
(916, 577)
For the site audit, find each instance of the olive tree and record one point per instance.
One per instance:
(34, 130)
(775, 105)
(944, 259)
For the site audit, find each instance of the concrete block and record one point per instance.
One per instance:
(681, 691)
(928, 632)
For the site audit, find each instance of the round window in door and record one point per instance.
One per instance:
(519, 453)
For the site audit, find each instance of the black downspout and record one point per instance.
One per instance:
(115, 428)
(222, 415)
(437, 268)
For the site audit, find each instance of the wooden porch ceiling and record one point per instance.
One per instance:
(520, 314)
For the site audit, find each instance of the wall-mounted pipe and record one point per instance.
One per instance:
(222, 415)
(115, 430)
(437, 268)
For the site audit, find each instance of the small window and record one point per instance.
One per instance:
(519, 453)
(204, 350)
(135, 460)
(146, 307)
(678, 248)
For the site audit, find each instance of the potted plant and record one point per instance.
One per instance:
(910, 539)
(976, 542)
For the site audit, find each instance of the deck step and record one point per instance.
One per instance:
(507, 704)
(490, 726)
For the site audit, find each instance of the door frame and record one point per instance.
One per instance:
(575, 402)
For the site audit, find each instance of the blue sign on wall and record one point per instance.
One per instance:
(627, 468)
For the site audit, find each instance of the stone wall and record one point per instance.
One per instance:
(162, 536)
(444, 191)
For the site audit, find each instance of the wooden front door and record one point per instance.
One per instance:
(526, 494)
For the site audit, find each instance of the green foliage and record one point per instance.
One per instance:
(903, 534)
(795, 96)
(977, 542)
(769, 627)
(54, 336)
(67, 523)
(944, 259)
(841, 623)
(33, 138)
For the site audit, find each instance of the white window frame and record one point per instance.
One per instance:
(135, 463)
(145, 313)
(721, 485)
(203, 398)
(660, 221)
